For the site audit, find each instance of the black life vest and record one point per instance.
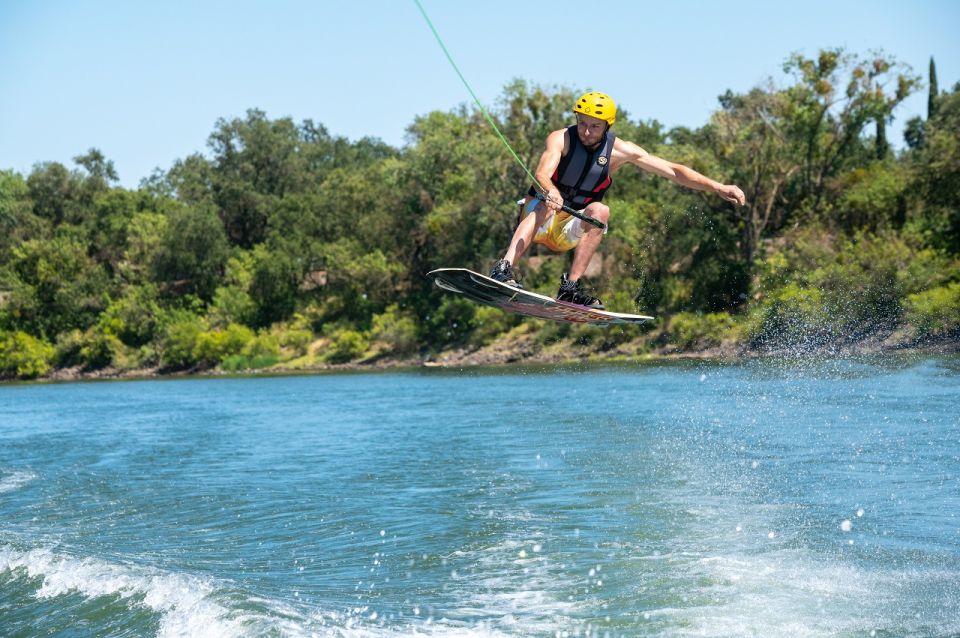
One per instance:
(583, 176)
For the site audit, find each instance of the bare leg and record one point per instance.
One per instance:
(523, 236)
(589, 242)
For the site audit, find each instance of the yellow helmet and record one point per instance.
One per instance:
(598, 105)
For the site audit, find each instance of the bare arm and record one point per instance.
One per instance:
(549, 162)
(679, 173)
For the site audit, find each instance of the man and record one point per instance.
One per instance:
(576, 169)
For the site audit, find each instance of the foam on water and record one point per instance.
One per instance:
(790, 592)
(183, 601)
(514, 579)
(188, 604)
(786, 592)
(15, 480)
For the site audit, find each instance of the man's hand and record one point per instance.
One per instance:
(553, 200)
(732, 194)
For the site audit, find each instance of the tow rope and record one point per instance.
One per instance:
(541, 191)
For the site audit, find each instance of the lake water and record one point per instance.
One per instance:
(775, 498)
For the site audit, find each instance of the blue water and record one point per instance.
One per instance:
(774, 498)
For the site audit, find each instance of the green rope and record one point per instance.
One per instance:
(541, 189)
(475, 99)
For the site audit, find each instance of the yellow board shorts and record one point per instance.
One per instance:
(561, 232)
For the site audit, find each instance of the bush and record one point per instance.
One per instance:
(870, 197)
(237, 362)
(95, 349)
(861, 284)
(178, 345)
(347, 346)
(232, 305)
(24, 356)
(623, 301)
(99, 350)
(490, 323)
(296, 339)
(264, 345)
(396, 329)
(133, 318)
(547, 333)
(935, 312)
(67, 349)
(690, 331)
(213, 347)
(794, 316)
(451, 322)
(261, 351)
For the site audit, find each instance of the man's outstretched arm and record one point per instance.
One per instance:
(683, 175)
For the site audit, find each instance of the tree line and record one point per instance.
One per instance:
(286, 244)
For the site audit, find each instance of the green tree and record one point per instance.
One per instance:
(870, 198)
(134, 317)
(937, 174)
(749, 136)
(915, 131)
(98, 167)
(142, 246)
(528, 114)
(55, 192)
(56, 287)
(17, 221)
(109, 224)
(192, 253)
(360, 283)
(834, 98)
(933, 91)
(275, 279)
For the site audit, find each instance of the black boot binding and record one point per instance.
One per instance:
(571, 292)
(507, 274)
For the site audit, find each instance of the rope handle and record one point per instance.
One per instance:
(570, 211)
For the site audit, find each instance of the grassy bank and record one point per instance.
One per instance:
(530, 344)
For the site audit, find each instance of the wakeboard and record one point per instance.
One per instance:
(484, 290)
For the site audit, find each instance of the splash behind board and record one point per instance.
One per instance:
(483, 289)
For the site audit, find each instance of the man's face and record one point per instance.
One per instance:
(590, 129)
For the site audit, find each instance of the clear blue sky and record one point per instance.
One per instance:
(145, 82)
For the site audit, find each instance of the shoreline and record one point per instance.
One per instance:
(504, 355)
